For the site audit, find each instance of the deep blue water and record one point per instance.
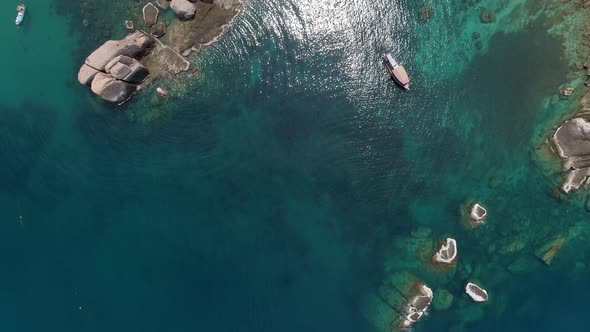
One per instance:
(269, 193)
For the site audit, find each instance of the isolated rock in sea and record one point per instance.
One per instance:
(129, 25)
(183, 9)
(86, 74)
(111, 89)
(477, 214)
(133, 45)
(164, 4)
(158, 29)
(418, 304)
(548, 251)
(447, 252)
(442, 300)
(150, 14)
(477, 293)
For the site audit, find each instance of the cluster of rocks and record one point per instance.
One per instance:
(417, 306)
(571, 142)
(117, 69)
(112, 71)
(408, 298)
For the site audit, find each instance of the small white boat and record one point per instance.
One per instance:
(20, 13)
(397, 71)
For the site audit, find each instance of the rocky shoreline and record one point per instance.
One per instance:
(118, 69)
(563, 152)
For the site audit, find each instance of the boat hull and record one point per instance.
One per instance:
(396, 71)
(20, 14)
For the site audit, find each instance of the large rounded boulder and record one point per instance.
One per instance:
(184, 10)
(111, 89)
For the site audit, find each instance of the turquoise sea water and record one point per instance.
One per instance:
(273, 190)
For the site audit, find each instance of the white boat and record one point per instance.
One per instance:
(397, 71)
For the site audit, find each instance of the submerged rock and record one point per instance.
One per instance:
(421, 232)
(477, 293)
(426, 12)
(487, 16)
(150, 14)
(442, 300)
(447, 252)
(547, 252)
(183, 9)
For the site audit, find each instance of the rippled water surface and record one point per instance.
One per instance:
(275, 188)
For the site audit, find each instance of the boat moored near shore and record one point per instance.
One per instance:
(397, 71)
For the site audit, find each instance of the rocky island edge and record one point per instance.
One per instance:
(118, 69)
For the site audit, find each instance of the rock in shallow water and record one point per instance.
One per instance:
(158, 30)
(442, 300)
(547, 252)
(477, 215)
(150, 14)
(417, 305)
(477, 293)
(184, 9)
(162, 92)
(447, 252)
